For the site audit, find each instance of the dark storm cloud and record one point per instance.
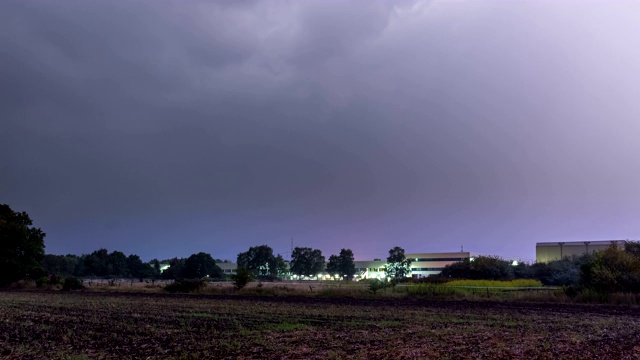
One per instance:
(143, 87)
(429, 124)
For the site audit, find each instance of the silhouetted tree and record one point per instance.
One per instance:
(306, 261)
(280, 265)
(342, 264)
(261, 261)
(200, 265)
(117, 265)
(481, 267)
(96, 263)
(175, 270)
(155, 264)
(63, 265)
(21, 246)
(137, 268)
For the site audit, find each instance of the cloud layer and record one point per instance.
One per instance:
(169, 128)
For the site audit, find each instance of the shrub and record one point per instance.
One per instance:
(376, 284)
(241, 278)
(42, 282)
(20, 284)
(565, 272)
(612, 270)
(185, 286)
(482, 267)
(72, 283)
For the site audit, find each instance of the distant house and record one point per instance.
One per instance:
(228, 268)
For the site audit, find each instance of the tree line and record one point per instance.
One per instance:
(22, 256)
(615, 269)
(260, 261)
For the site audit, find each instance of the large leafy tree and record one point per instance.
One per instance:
(398, 266)
(97, 263)
(280, 265)
(21, 246)
(117, 264)
(306, 261)
(261, 261)
(155, 268)
(200, 265)
(175, 270)
(342, 264)
(139, 269)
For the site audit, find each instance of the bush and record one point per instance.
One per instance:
(185, 286)
(42, 282)
(72, 283)
(20, 284)
(376, 284)
(565, 272)
(481, 268)
(612, 270)
(241, 278)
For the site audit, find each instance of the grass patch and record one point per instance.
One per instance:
(518, 283)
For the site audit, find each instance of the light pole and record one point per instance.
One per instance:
(586, 244)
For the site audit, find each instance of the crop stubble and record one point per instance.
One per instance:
(112, 325)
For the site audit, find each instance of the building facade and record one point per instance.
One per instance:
(422, 265)
(425, 264)
(550, 251)
(370, 269)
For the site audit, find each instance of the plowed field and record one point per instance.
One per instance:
(119, 326)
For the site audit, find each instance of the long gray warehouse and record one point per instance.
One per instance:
(550, 251)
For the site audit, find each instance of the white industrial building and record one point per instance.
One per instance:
(422, 265)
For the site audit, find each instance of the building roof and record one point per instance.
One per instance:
(581, 243)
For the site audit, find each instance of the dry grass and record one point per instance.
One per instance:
(360, 290)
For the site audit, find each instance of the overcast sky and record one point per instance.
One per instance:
(165, 128)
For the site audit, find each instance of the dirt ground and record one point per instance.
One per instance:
(104, 325)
